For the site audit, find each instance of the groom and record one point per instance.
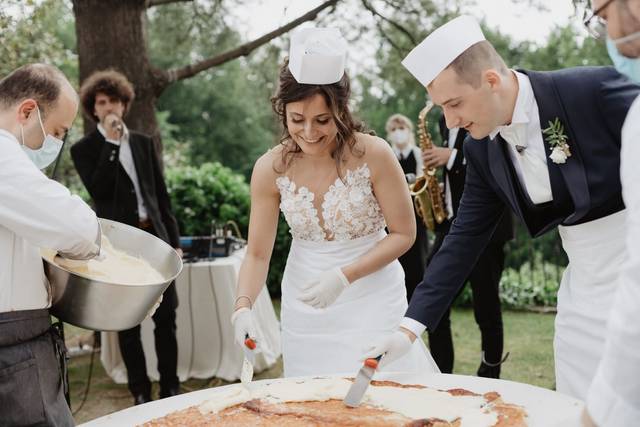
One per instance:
(547, 146)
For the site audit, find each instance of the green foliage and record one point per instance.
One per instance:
(532, 284)
(214, 193)
(37, 31)
(210, 192)
(224, 113)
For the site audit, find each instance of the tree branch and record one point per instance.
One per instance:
(151, 3)
(393, 23)
(245, 49)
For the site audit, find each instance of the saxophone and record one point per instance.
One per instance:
(426, 190)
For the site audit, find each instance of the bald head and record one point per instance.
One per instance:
(43, 83)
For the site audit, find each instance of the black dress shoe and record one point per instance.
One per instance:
(172, 391)
(141, 398)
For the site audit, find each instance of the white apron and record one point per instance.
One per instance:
(596, 252)
(332, 340)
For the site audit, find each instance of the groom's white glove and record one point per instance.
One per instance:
(391, 347)
(325, 290)
(242, 321)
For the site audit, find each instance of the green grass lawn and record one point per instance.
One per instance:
(528, 336)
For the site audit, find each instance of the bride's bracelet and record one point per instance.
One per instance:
(239, 297)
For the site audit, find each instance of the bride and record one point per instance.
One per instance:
(338, 189)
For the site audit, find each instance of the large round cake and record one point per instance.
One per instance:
(318, 402)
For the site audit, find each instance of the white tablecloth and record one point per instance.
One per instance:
(545, 408)
(206, 294)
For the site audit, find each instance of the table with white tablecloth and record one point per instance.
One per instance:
(206, 348)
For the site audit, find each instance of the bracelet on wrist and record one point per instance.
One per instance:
(240, 297)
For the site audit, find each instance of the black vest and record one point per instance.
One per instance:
(408, 163)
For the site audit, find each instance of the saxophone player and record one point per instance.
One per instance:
(485, 276)
(401, 136)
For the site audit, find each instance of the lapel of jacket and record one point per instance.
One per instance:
(500, 171)
(572, 172)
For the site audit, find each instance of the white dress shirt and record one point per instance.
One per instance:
(453, 134)
(35, 212)
(525, 126)
(525, 131)
(126, 160)
(614, 394)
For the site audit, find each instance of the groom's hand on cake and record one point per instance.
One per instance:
(391, 347)
(242, 321)
(323, 291)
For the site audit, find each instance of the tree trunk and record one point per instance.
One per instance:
(111, 34)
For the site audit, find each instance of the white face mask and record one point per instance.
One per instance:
(47, 153)
(399, 137)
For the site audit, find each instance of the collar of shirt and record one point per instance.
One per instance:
(402, 154)
(125, 133)
(521, 112)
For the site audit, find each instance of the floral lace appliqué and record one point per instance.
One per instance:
(349, 210)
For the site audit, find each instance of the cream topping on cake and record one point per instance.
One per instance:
(413, 403)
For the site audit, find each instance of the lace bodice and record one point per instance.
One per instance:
(349, 209)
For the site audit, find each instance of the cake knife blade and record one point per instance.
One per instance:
(248, 362)
(361, 382)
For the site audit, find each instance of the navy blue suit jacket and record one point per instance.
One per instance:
(591, 103)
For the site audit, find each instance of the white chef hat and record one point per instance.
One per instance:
(317, 55)
(441, 47)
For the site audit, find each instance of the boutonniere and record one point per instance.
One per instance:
(557, 140)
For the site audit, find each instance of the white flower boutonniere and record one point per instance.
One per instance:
(557, 140)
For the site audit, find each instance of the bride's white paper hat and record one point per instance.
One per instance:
(441, 47)
(317, 55)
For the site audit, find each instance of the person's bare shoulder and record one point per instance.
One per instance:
(265, 169)
(377, 152)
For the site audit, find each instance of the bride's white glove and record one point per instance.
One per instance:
(325, 290)
(391, 347)
(242, 321)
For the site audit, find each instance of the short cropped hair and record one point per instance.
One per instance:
(471, 63)
(41, 82)
(109, 82)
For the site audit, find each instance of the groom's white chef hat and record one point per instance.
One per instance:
(441, 47)
(317, 55)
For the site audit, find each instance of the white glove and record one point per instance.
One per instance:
(242, 321)
(325, 290)
(392, 347)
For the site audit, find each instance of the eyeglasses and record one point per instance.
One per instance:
(595, 24)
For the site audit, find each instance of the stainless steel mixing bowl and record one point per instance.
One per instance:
(98, 305)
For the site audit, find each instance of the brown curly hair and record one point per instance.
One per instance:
(336, 95)
(109, 82)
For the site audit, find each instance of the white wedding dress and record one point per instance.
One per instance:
(332, 340)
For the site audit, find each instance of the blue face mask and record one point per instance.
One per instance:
(47, 153)
(630, 67)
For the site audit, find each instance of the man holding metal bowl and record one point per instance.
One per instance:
(37, 107)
